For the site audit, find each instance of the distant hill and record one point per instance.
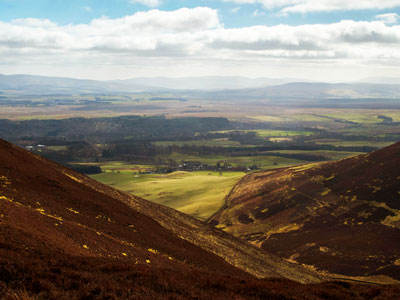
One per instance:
(342, 217)
(211, 87)
(61, 85)
(206, 82)
(314, 94)
(43, 85)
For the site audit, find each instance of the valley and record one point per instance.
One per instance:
(253, 194)
(199, 150)
(199, 193)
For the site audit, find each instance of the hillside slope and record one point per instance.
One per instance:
(342, 217)
(67, 236)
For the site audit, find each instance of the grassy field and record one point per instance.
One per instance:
(210, 143)
(270, 133)
(290, 118)
(115, 166)
(199, 194)
(331, 155)
(264, 162)
(57, 148)
(395, 115)
(362, 118)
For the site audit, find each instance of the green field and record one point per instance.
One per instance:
(362, 118)
(264, 162)
(395, 115)
(210, 143)
(290, 118)
(57, 148)
(330, 115)
(199, 194)
(331, 155)
(270, 133)
(115, 166)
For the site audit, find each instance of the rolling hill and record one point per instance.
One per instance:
(214, 88)
(341, 217)
(65, 236)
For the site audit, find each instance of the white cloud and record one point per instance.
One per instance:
(149, 3)
(235, 10)
(391, 18)
(193, 41)
(31, 22)
(306, 6)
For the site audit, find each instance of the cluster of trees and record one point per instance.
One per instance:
(104, 130)
(131, 138)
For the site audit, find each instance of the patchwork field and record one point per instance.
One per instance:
(357, 116)
(263, 162)
(199, 194)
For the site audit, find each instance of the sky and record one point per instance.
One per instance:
(320, 40)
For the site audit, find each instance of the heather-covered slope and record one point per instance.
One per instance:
(65, 236)
(61, 237)
(343, 217)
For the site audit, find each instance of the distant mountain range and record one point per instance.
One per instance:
(61, 85)
(218, 88)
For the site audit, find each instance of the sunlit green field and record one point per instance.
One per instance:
(199, 194)
(363, 118)
(329, 115)
(115, 166)
(289, 118)
(57, 148)
(264, 162)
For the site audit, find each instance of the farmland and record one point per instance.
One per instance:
(199, 194)
(224, 142)
(187, 152)
(263, 161)
(270, 133)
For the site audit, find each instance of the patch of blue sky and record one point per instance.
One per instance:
(232, 15)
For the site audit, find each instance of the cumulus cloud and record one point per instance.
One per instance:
(184, 19)
(196, 40)
(391, 18)
(306, 6)
(31, 22)
(149, 3)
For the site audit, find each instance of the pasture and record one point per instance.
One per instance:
(199, 194)
(223, 142)
(270, 132)
(262, 161)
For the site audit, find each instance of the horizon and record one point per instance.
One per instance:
(124, 39)
(276, 81)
